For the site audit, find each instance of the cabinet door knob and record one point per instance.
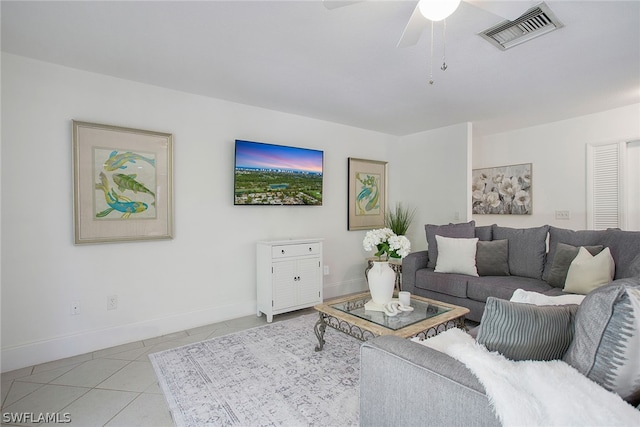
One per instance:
(283, 251)
(310, 249)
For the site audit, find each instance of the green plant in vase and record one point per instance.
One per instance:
(399, 219)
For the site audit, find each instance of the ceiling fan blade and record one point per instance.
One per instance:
(412, 32)
(510, 10)
(333, 4)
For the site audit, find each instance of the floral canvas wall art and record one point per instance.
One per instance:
(503, 190)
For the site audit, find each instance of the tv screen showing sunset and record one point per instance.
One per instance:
(267, 174)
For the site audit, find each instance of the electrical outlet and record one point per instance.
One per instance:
(75, 307)
(563, 214)
(326, 270)
(112, 302)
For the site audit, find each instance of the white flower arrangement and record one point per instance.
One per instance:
(386, 241)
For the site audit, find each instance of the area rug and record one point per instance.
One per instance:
(266, 376)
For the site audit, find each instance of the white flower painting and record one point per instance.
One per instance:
(502, 190)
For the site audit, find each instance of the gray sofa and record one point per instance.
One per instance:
(529, 262)
(405, 383)
(427, 387)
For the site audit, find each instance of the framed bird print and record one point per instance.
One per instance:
(123, 184)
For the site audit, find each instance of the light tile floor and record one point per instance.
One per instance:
(112, 387)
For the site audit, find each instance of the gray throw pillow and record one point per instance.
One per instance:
(574, 238)
(606, 345)
(492, 258)
(521, 331)
(464, 230)
(564, 255)
(527, 249)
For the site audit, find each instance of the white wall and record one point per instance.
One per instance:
(431, 172)
(207, 272)
(558, 154)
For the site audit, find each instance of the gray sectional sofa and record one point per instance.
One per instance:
(528, 263)
(404, 383)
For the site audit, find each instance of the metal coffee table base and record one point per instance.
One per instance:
(365, 335)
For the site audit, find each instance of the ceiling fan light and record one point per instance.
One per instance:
(437, 10)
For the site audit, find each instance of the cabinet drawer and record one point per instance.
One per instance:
(302, 249)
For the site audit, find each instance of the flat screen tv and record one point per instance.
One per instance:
(267, 174)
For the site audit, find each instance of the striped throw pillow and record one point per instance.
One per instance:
(526, 332)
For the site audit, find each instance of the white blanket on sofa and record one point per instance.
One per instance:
(533, 393)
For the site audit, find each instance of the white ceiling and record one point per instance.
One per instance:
(342, 65)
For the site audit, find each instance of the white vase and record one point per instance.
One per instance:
(382, 280)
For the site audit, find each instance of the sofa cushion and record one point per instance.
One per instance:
(464, 230)
(484, 232)
(526, 331)
(573, 238)
(481, 288)
(443, 283)
(588, 272)
(564, 255)
(606, 345)
(625, 248)
(492, 258)
(633, 268)
(456, 255)
(527, 249)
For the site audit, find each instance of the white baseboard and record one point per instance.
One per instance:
(44, 351)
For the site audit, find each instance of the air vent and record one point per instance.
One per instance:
(534, 23)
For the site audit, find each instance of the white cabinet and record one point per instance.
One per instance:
(289, 275)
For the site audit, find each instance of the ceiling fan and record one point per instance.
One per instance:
(509, 10)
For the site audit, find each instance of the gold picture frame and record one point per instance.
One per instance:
(367, 194)
(122, 184)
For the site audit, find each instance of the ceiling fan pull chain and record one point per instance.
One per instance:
(444, 45)
(431, 62)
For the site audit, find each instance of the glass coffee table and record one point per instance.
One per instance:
(347, 314)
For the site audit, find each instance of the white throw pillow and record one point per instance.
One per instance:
(456, 255)
(588, 272)
(535, 298)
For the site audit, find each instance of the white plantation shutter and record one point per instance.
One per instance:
(632, 184)
(605, 182)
